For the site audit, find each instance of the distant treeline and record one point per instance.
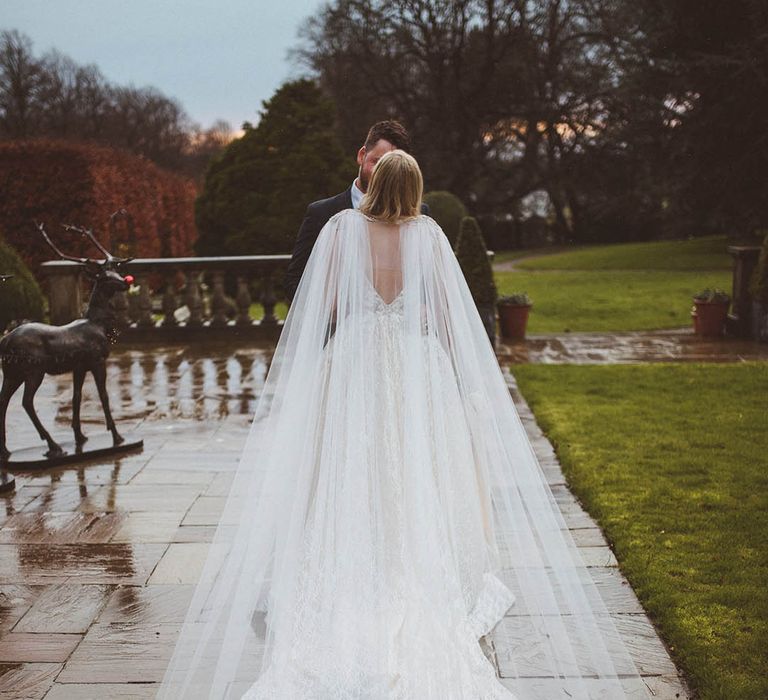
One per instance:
(619, 119)
(52, 96)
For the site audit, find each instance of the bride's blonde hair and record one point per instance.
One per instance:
(395, 190)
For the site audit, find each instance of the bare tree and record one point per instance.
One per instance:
(94, 100)
(501, 97)
(20, 79)
(60, 95)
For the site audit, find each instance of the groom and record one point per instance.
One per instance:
(382, 137)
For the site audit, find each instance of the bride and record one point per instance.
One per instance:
(388, 513)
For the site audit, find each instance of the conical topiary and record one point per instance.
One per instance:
(473, 258)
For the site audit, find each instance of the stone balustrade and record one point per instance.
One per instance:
(168, 299)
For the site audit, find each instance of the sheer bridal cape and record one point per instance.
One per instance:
(388, 511)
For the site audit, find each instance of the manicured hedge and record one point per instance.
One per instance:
(60, 182)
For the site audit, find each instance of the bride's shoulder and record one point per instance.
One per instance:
(343, 214)
(426, 219)
(342, 219)
(352, 213)
(422, 220)
(346, 215)
(430, 224)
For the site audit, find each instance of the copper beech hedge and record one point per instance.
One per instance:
(63, 182)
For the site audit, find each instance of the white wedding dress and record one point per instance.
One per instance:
(387, 511)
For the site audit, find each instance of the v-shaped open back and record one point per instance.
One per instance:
(386, 261)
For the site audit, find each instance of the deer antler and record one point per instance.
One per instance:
(122, 211)
(63, 256)
(89, 233)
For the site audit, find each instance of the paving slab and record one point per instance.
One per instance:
(27, 681)
(37, 648)
(102, 691)
(66, 608)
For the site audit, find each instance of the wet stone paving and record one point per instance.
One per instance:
(98, 560)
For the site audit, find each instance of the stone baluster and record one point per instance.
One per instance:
(243, 302)
(144, 303)
(119, 304)
(268, 300)
(193, 300)
(218, 301)
(169, 301)
(133, 307)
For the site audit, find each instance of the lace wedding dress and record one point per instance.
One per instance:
(387, 511)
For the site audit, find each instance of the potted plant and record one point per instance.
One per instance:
(513, 314)
(710, 310)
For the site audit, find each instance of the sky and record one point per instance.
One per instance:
(219, 58)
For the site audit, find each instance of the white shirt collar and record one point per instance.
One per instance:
(357, 195)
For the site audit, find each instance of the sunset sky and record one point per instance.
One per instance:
(219, 59)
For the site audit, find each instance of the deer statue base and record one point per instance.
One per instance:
(38, 457)
(7, 482)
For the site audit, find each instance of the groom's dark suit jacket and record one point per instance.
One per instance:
(316, 217)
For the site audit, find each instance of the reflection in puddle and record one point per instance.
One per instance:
(200, 382)
(622, 348)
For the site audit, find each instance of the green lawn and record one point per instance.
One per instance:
(696, 254)
(507, 255)
(672, 460)
(620, 287)
(609, 300)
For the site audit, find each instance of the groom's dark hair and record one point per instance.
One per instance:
(391, 131)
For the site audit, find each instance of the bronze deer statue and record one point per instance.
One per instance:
(32, 350)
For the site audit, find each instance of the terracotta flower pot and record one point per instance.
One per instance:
(513, 319)
(695, 319)
(709, 317)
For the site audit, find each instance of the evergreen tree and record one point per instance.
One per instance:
(256, 192)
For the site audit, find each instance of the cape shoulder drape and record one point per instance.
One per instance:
(388, 510)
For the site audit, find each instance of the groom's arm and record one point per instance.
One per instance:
(305, 240)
